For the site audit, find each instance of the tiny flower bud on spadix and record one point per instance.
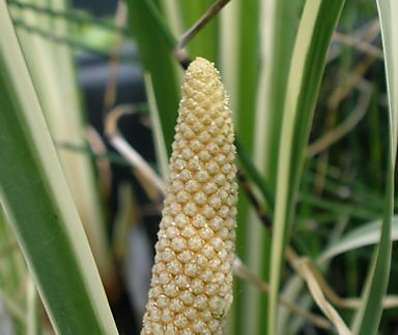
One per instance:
(191, 287)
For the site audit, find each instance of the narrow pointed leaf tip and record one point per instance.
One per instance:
(191, 287)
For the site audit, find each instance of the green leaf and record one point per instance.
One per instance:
(38, 204)
(308, 61)
(368, 317)
(261, 128)
(12, 276)
(248, 70)
(362, 236)
(156, 47)
(172, 13)
(33, 314)
(277, 40)
(160, 147)
(240, 29)
(47, 62)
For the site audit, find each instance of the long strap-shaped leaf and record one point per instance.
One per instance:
(47, 62)
(308, 60)
(12, 276)
(361, 236)
(277, 40)
(39, 206)
(155, 44)
(276, 53)
(369, 315)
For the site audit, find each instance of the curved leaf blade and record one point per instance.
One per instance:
(39, 206)
(360, 237)
(368, 317)
(308, 60)
(155, 45)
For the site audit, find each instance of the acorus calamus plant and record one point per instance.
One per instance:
(317, 129)
(191, 288)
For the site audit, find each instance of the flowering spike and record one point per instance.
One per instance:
(191, 287)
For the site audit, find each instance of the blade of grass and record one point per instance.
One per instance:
(308, 60)
(228, 32)
(12, 276)
(389, 29)
(59, 99)
(247, 36)
(277, 41)
(275, 53)
(126, 216)
(32, 315)
(171, 9)
(248, 50)
(362, 236)
(228, 57)
(160, 147)
(156, 46)
(255, 176)
(39, 206)
(368, 318)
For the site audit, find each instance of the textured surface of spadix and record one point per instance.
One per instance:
(191, 287)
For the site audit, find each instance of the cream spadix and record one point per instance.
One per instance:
(191, 287)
